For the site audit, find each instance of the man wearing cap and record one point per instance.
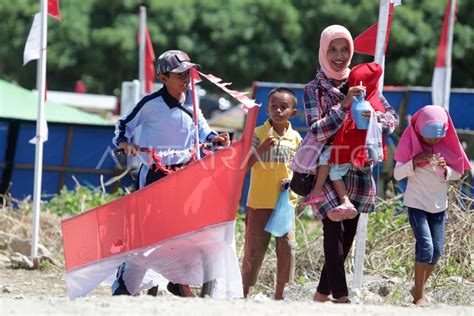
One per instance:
(167, 125)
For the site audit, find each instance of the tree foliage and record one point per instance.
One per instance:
(239, 40)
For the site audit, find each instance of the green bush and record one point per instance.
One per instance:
(72, 202)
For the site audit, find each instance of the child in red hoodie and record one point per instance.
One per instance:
(349, 147)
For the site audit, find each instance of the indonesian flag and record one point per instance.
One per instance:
(32, 46)
(33, 43)
(441, 81)
(32, 52)
(366, 41)
(150, 74)
(53, 9)
(179, 228)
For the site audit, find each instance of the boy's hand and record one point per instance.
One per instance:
(129, 148)
(285, 184)
(221, 139)
(266, 145)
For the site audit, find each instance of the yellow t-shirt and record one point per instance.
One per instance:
(270, 169)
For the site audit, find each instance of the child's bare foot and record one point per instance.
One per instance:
(321, 298)
(341, 212)
(421, 302)
(246, 290)
(347, 211)
(335, 215)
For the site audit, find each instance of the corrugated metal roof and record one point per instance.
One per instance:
(92, 102)
(19, 103)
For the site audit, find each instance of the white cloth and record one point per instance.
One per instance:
(426, 190)
(33, 43)
(194, 258)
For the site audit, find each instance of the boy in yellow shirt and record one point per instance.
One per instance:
(274, 145)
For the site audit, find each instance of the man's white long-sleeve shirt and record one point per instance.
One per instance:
(165, 126)
(426, 190)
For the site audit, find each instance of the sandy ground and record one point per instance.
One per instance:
(25, 292)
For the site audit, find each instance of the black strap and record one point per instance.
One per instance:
(182, 108)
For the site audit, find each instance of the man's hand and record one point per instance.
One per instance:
(222, 139)
(129, 148)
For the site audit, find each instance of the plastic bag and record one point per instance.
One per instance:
(282, 219)
(373, 140)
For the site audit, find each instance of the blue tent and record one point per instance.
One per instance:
(78, 145)
(406, 101)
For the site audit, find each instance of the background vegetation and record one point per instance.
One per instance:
(389, 249)
(240, 40)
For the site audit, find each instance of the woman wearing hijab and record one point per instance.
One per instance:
(429, 155)
(326, 101)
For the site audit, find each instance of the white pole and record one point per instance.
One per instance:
(40, 85)
(449, 49)
(195, 113)
(379, 58)
(141, 50)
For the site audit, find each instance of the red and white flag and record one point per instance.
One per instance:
(33, 43)
(150, 74)
(179, 228)
(32, 46)
(53, 9)
(441, 82)
(32, 52)
(365, 42)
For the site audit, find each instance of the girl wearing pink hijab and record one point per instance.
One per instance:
(429, 155)
(326, 100)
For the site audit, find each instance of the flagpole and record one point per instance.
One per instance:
(141, 50)
(449, 49)
(379, 58)
(196, 121)
(40, 86)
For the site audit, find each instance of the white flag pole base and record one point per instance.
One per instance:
(361, 239)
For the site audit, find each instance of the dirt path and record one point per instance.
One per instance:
(26, 292)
